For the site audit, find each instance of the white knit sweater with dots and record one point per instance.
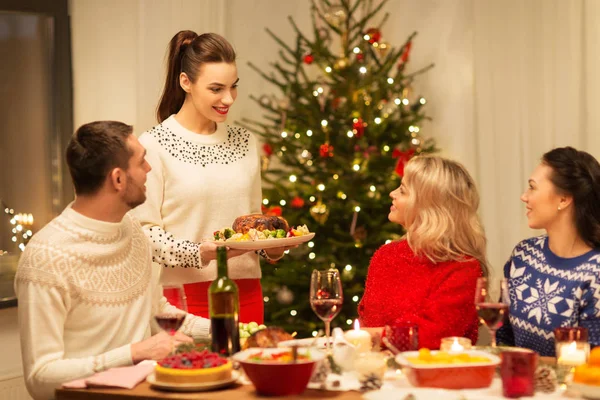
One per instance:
(198, 184)
(87, 290)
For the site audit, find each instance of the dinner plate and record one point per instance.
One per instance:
(266, 243)
(192, 387)
(586, 391)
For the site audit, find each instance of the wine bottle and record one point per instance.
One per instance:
(224, 308)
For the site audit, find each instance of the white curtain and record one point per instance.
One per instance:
(513, 78)
(535, 89)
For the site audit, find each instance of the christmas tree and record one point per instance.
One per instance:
(341, 130)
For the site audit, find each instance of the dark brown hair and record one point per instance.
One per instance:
(94, 150)
(577, 174)
(187, 53)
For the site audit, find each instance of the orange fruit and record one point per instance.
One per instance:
(595, 357)
(587, 374)
(581, 374)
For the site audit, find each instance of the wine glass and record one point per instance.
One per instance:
(176, 296)
(171, 320)
(326, 297)
(491, 313)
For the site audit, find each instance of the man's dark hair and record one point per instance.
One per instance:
(94, 150)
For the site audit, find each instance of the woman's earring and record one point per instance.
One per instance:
(559, 208)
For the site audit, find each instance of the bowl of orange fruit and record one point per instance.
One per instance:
(468, 369)
(586, 377)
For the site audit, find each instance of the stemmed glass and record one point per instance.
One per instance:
(176, 296)
(170, 321)
(491, 313)
(326, 297)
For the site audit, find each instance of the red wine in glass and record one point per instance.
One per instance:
(326, 297)
(492, 315)
(170, 323)
(327, 309)
(492, 308)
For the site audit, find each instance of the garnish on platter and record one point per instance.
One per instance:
(248, 329)
(257, 231)
(259, 227)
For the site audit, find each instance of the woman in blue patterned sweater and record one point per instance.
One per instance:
(554, 279)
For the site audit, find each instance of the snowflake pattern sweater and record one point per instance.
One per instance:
(546, 292)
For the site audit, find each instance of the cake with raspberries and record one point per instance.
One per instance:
(193, 367)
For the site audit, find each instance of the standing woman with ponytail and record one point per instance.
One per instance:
(554, 279)
(204, 174)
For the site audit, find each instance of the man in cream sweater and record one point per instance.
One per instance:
(87, 288)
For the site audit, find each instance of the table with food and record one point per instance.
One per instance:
(243, 361)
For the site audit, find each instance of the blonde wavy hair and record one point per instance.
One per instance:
(441, 218)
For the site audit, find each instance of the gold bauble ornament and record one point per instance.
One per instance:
(264, 163)
(341, 63)
(336, 16)
(320, 212)
(382, 49)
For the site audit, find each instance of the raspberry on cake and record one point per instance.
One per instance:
(193, 367)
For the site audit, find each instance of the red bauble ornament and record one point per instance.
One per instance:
(271, 211)
(358, 127)
(308, 59)
(335, 103)
(374, 35)
(326, 150)
(405, 55)
(360, 57)
(403, 157)
(268, 149)
(297, 202)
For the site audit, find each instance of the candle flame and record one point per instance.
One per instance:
(572, 347)
(356, 325)
(456, 346)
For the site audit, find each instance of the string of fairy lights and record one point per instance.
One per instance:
(20, 228)
(361, 57)
(318, 207)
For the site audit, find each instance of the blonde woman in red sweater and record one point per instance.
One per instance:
(428, 278)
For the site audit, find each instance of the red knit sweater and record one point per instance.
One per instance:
(439, 298)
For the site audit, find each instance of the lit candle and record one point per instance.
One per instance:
(456, 347)
(360, 339)
(569, 354)
(455, 344)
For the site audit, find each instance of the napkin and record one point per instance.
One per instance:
(123, 377)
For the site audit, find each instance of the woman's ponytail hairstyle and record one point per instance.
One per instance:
(187, 53)
(577, 174)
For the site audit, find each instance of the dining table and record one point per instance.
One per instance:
(237, 391)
